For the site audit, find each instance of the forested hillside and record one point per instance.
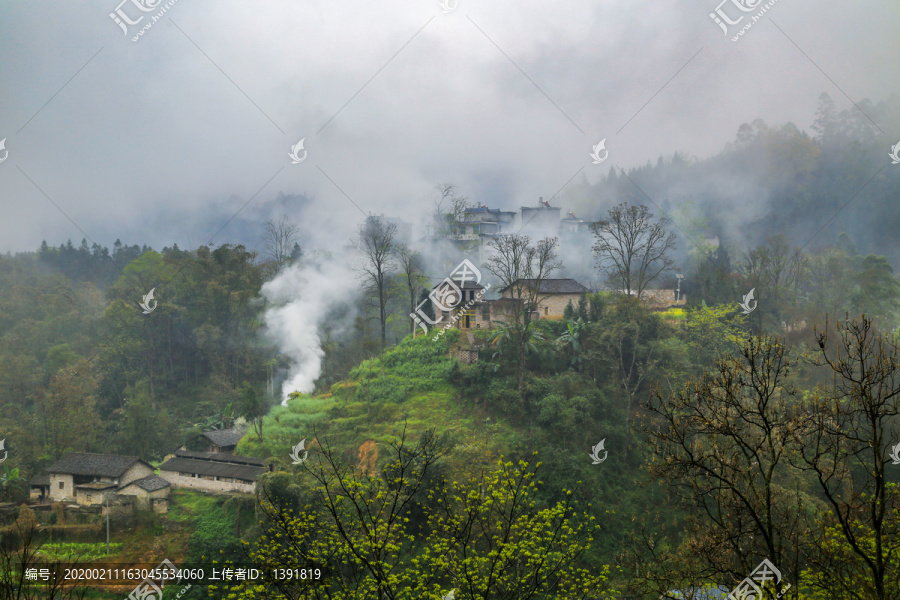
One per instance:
(621, 450)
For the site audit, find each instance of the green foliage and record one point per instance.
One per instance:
(78, 551)
(214, 536)
(569, 311)
(487, 537)
(143, 426)
(12, 487)
(564, 414)
(712, 331)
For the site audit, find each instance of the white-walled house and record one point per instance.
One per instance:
(84, 478)
(213, 471)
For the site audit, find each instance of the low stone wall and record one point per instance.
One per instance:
(466, 357)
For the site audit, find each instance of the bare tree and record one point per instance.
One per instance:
(410, 262)
(376, 242)
(774, 272)
(522, 268)
(632, 249)
(449, 210)
(724, 444)
(844, 438)
(280, 238)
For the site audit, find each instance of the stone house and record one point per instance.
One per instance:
(553, 296)
(473, 317)
(85, 478)
(151, 491)
(474, 312)
(213, 471)
(223, 440)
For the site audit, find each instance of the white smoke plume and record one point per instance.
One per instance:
(300, 298)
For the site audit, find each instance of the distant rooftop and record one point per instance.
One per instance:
(212, 468)
(221, 458)
(96, 485)
(489, 210)
(40, 480)
(150, 483)
(94, 465)
(554, 286)
(224, 438)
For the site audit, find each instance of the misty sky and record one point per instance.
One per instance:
(163, 140)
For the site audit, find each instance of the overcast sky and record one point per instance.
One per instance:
(163, 140)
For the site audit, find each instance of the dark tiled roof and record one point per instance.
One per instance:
(224, 437)
(555, 286)
(96, 485)
(150, 483)
(94, 465)
(212, 468)
(43, 480)
(222, 458)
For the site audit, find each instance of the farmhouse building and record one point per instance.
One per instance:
(150, 491)
(85, 478)
(552, 297)
(472, 311)
(213, 471)
(469, 309)
(223, 440)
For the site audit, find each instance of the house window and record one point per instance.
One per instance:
(546, 310)
(62, 485)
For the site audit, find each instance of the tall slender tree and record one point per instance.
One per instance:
(378, 247)
(522, 268)
(280, 238)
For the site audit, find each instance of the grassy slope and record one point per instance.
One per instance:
(418, 384)
(408, 384)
